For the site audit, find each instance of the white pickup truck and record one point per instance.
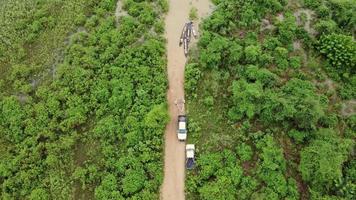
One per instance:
(182, 128)
(189, 153)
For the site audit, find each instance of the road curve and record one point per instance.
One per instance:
(174, 169)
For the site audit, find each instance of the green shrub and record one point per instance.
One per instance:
(321, 162)
(340, 50)
(213, 54)
(133, 181)
(252, 53)
(193, 13)
(246, 98)
(299, 136)
(312, 3)
(295, 62)
(192, 76)
(326, 26)
(244, 151)
(209, 101)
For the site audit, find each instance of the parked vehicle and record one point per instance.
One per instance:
(189, 152)
(182, 128)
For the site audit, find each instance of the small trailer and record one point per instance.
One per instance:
(187, 32)
(189, 152)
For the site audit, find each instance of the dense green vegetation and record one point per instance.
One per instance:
(265, 93)
(82, 99)
(270, 92)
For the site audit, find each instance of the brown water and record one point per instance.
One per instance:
(174, 161)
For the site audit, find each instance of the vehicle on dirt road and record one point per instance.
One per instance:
(189, 152)
(182, 128)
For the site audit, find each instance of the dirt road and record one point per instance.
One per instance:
(174, 169)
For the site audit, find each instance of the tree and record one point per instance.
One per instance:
(252, 53)
(340, 50)
(326, 26)
(322, 161)
(39, 194)
(212, 56)
(244, 151)
(281, 57)
(247, 187)
(272, 166)
(157, 117)
(297, 102)
(133, 181)
(108, 189)
(12, 119)
(220, 189)
(192, 74)
(246, 99)
(287, 29)
(209, 164)
(267, 78)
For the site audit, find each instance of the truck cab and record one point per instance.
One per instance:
(182, 128)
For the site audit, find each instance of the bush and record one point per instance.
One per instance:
(340, 50)
(133, 181)
(312, 3)
(193, 13)
(244, 151)
(272, 166)
(252, 53)
(321, 162)
(246, 98)
(298, 136)
(295, 62)
(212, 56)
(287, 29)
(108, 189)
(264, 76)
(326, 26)
(209, 101)
(281, 57)
(192, 76)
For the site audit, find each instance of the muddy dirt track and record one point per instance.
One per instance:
(174, 169)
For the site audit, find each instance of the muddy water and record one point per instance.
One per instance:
(174, 168)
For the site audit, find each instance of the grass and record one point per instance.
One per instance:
(39, 50)
(44, 49)
(210, 127)
(193, 13)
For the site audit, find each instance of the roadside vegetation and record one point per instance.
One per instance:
(265, 92)
(82, 99)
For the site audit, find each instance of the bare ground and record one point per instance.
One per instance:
(174, 169)
(119, 12)
(309, 17)
(348, 108)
